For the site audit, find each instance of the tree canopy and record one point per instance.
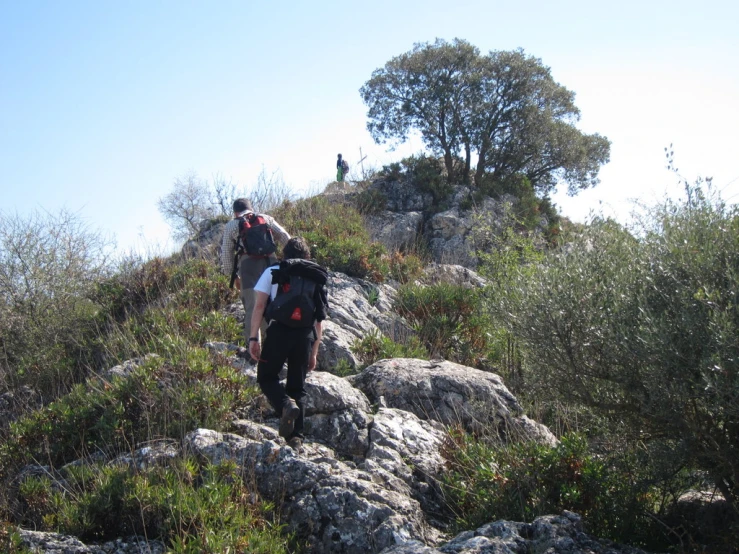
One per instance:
(504, 107)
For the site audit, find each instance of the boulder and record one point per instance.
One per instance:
(125, 369)
(449, 238)
(451, 274)
(207, 243)
(337, 414)
(554, 534)
(449, 393)
(395, 230)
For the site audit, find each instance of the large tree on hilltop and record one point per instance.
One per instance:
(423, 90)
(505, 107)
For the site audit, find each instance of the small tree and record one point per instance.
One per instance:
(190, 202)
(193, 200)
(269, 191)
(48, 266)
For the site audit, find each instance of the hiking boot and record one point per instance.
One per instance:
(290, 413)
(296, 444)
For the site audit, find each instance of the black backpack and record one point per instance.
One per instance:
(296, 280)
(255, 236)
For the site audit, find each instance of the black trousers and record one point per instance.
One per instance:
(283, 344)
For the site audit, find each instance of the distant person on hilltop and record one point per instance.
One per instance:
(342, 168)
(248, 248)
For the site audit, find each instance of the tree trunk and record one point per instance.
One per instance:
(449, 163)
(467, 161)
(482, 161)
(480, 171)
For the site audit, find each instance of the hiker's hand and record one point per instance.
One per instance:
(312, 362)
(255, 349)
(237, 283)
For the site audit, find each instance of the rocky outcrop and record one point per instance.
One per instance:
(396, 230)
(555, 534)
(334, 505)
(55, 543)
(401, 196)
(453, 229)
(450, 239)
(207, 242)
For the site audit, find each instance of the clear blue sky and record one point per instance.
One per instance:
(103, 104)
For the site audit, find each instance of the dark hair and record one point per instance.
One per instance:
(338, 156)
(296, 247)
(241, 205)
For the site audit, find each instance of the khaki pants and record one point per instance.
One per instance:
(250, 269)
(248, 299)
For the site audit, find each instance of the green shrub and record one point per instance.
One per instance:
(528, 208)
(426, 174)
(392, 172)
(375, 346)
(10, 540)
(450, 320)
(370, 202)
(191, 508)
(157, 400)
(49, 264)
(644, 328)
(135, 285)
(178, 306)
(405, 267)
(338, 237)
(522, 481)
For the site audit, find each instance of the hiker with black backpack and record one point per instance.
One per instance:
(291, 296)
(247, 249)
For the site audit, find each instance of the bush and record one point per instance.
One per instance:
(10, 540)
(427, 174)
(157, 400)
(370, 202)
(49, 265)
(449, 320)
(405, 267)
(338, 237)
(645, 329)
(376, 346)
(392, 172)
(528, 209)
(190, 507)
(522, 481)
(135, 285)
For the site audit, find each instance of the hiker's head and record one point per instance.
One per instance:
(339, 156)
(296, 247)
(241, 205)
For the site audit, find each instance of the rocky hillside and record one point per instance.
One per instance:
(367, 479)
